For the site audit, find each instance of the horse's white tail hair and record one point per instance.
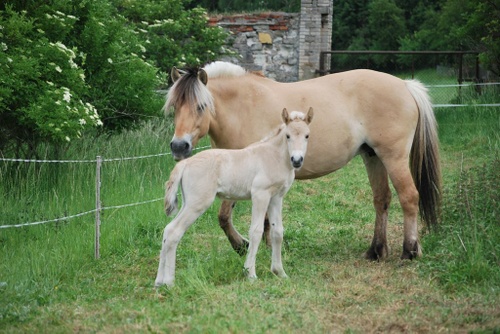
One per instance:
(424, 156)
(171, 187)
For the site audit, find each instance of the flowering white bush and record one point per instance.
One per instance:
(70, 67)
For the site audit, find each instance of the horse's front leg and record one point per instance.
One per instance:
(260, 203)
(238, 243)
(276, 222)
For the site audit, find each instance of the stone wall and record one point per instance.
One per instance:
(285, 47)
(267, 42)
(315, 35)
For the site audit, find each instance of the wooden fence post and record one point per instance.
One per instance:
(97, 206)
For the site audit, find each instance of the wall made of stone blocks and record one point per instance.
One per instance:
(266, 42)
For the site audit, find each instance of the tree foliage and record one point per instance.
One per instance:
(290, 6)
(418, 25)
(67, 67)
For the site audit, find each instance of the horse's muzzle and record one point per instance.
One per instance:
(181, 149)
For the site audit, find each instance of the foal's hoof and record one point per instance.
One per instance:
(159, 285)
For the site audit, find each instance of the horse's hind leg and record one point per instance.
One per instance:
(238, 243)
(377, 174)
(402, 180)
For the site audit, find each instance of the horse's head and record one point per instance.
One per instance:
(297, 134)
(192, 103)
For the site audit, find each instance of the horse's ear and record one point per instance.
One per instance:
(309, 116)
(285, 116)
(175, 74)
(202, 75)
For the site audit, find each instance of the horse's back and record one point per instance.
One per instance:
(351, 109)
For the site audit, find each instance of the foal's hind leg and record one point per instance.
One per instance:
(172, 234)
(377, 174)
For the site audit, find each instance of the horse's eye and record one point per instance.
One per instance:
(307, 136)
(287, 136)
(200, 109)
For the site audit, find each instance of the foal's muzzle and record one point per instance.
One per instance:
(181, 148)
(297, 161)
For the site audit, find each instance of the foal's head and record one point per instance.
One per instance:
(297, 134)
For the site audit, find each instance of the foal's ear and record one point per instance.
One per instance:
(202, 75)
(285, 116)
(309, 116)
(175, 74)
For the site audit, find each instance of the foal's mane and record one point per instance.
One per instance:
(294, 116)
(189, 89)
(274, 133)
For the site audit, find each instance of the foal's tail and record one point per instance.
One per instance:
(424, 156)
(171, 187)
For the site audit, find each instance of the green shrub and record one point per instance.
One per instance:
(69, 67)
(43, 89)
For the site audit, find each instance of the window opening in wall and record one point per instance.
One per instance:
(324, 20)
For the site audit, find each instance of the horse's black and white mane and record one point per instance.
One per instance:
(189, 89)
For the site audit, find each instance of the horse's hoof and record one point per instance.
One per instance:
(242, 248)
(377, 252)
(411, 250)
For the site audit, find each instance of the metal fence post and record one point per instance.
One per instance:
(97, 206)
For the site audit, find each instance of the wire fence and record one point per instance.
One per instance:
(98, 207)
(453, 77)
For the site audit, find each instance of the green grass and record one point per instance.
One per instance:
(52, 283)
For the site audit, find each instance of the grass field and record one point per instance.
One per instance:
(51, 283)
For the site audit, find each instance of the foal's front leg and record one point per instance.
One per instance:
(276, 222)
(239, 244)
(260, 203)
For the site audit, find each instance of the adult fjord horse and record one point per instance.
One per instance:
(386, 120)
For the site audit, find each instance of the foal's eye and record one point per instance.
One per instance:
(287, 136)
(307, 136)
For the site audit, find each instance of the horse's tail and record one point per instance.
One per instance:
(424, 156)
(171, 187)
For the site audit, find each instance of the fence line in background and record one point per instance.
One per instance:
(466, 105)
(50, 221)
(98, 161)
